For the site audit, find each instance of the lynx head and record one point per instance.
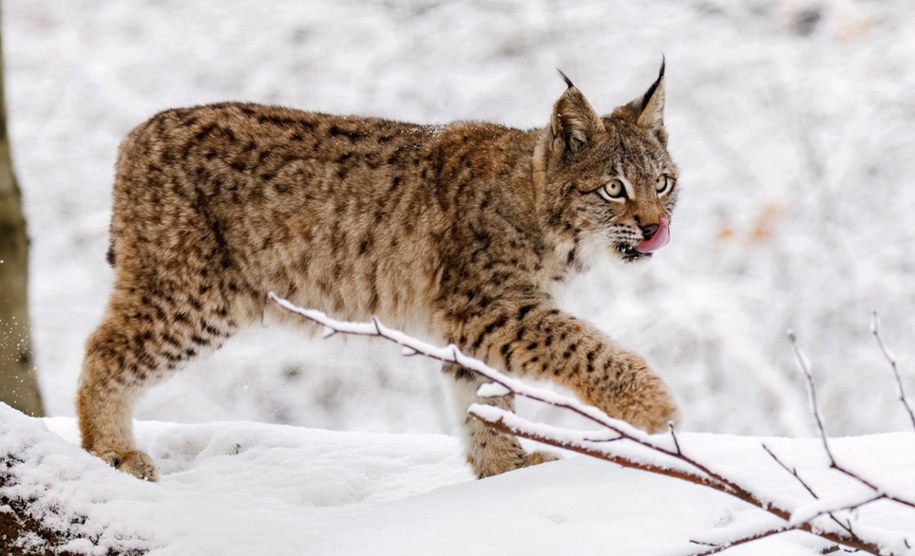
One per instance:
(607, 182)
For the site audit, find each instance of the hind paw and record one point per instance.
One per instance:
(538, 457)
(133, 462)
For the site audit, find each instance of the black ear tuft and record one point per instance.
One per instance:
(647, 110)
(566, 78)
(654, 86)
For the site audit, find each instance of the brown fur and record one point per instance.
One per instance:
(460, 232)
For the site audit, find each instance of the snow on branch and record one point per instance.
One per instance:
(618, 442)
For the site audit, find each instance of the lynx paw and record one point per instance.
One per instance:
(134, 462)
(496, 464)
(656, 415)
(538, 457)
(642, 399)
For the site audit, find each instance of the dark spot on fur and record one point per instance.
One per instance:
(204, 132)
(463, 374)
(171, 340)
(395, 156)
(212, 331)
(352, 135)
(199, 341)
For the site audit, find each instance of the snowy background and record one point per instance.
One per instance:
(793, 122)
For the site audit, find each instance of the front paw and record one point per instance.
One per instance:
(640, 398)
(653, 412)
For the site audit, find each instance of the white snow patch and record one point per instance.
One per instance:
(238, 488)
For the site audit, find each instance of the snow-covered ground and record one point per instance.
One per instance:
(793, 122)
(244, 488)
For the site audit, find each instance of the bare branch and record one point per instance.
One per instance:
(505, 421)
(891, 359)
(807, 487)
(686, 468)
(452, 354)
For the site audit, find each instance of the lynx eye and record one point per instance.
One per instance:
(613, 190)
(663, 184)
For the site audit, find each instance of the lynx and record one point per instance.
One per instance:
(459, 232)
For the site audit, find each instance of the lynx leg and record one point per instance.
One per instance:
(143, 339)
(538, 341)
(489, 452)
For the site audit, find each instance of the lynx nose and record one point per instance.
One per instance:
(649, 230)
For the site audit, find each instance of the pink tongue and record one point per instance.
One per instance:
(660, 238)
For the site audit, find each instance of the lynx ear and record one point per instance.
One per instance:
(574, 121)
(648, 110)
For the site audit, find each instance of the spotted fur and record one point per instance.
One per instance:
(457, 232)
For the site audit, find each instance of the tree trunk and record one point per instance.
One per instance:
(18, 383)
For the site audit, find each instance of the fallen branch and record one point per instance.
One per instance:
(505, 421)
(673, 461)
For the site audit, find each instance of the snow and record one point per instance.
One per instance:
(238, 487)
(792, 124)
(492, 390)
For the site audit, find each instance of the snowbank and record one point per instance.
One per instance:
(246, 488)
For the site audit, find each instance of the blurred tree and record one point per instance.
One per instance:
(18, 383)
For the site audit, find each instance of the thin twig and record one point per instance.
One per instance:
(673, 435)
(807, 487)
(847, 507)
(717, 548)
(804, 367)
(792, 471)
(891, 359)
